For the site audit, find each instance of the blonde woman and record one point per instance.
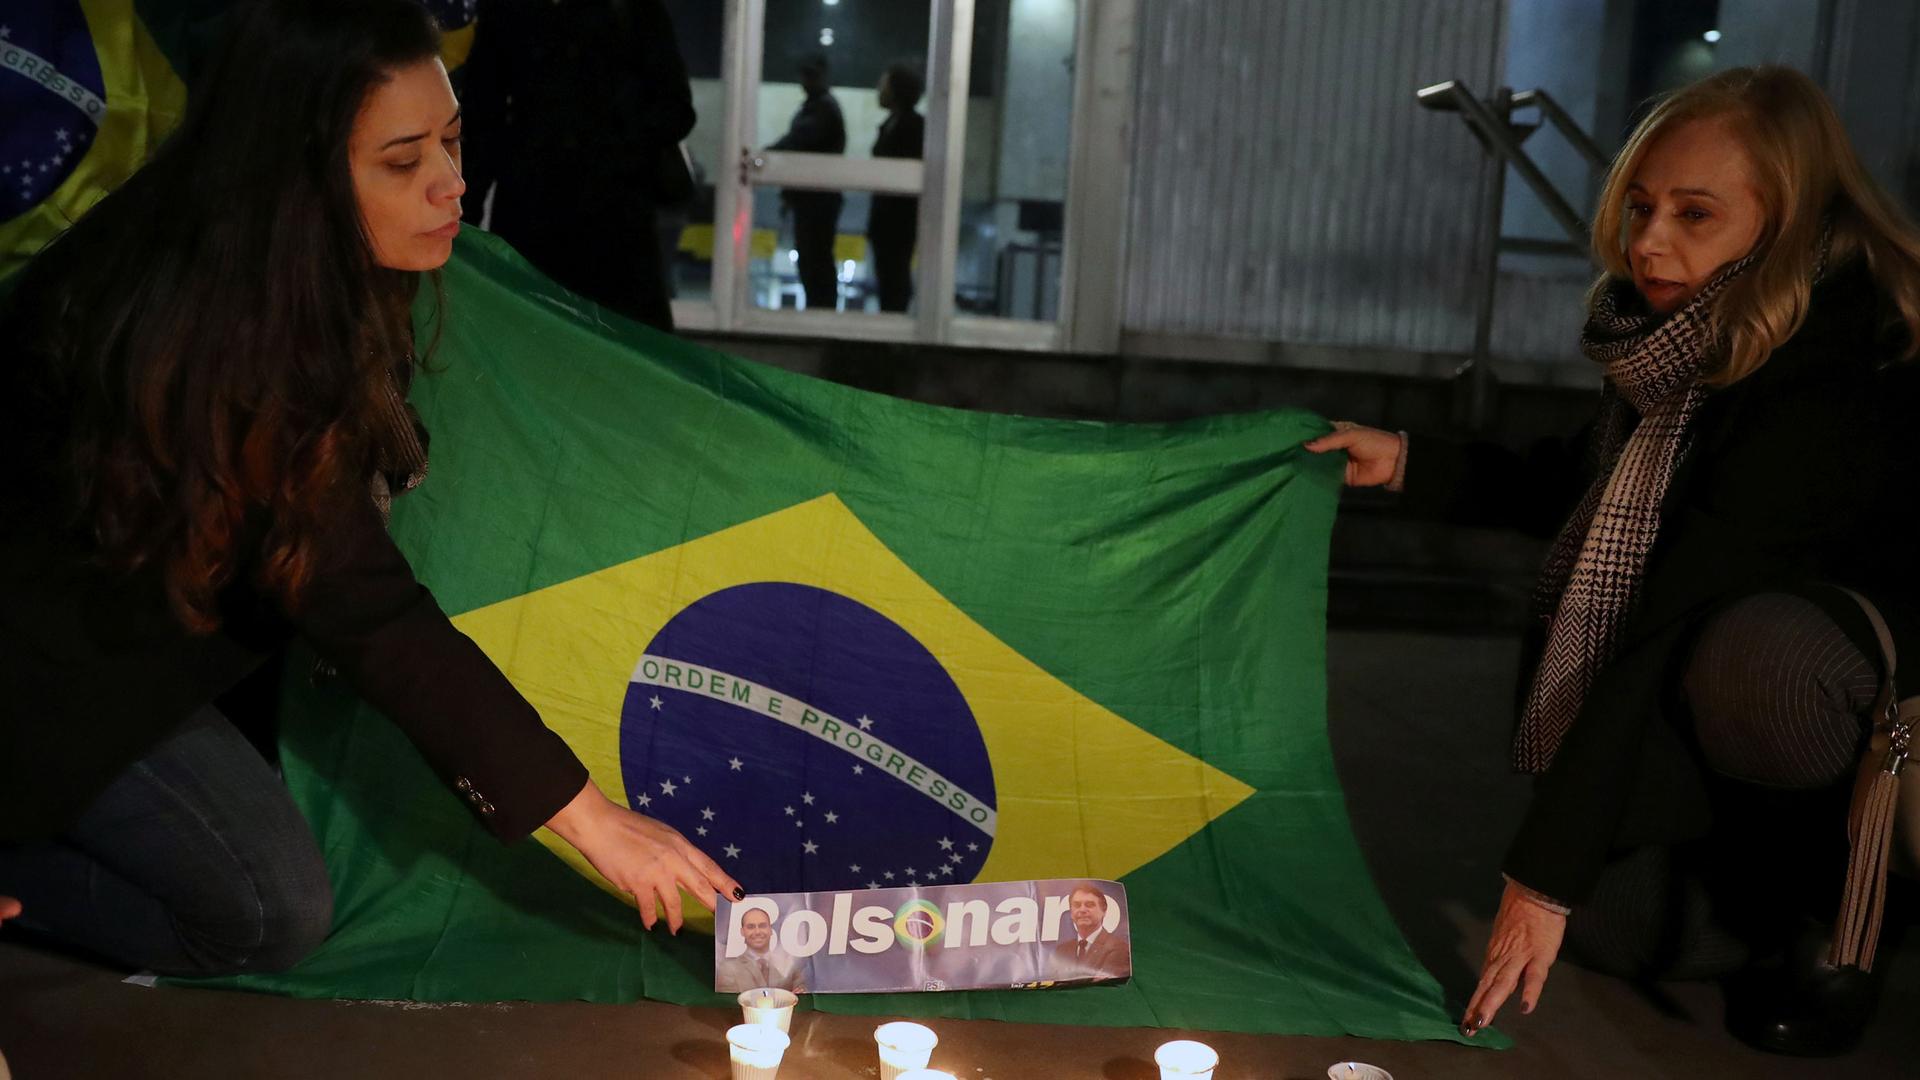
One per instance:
(1698, 687)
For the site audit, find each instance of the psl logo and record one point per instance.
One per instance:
(808, 742)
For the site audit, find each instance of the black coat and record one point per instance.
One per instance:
(817, 128)
(1801, 472)
(896, 218)
(95, 670)
(576, 101)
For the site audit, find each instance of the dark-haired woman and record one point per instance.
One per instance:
(203, 420)
(1701, 686)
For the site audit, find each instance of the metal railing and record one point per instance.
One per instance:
(1491, 121)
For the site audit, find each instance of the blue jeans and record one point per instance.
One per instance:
(192, 862)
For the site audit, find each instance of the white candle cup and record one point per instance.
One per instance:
(756, 1050)
(1184, 1059)
(903, 1047)
(1357, 1070)
(770, 1006)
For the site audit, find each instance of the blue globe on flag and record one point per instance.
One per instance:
(887, 784)
(53, 96)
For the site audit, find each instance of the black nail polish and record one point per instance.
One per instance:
(739, 893)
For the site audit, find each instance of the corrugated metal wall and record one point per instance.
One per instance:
(1287, 187)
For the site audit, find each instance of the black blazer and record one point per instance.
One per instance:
(1109, 957)
(95, 671)
(1801, 472)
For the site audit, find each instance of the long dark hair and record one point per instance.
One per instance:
(206, 344)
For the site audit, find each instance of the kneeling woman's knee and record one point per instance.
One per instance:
(270, 924)
(294, 930)
(1769, 684)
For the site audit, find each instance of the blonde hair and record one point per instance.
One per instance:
(1806, 173)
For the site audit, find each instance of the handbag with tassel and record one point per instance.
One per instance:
(1884, 820)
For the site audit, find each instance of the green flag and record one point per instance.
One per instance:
(910, 644)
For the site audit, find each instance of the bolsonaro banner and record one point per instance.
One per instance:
(1006, 935)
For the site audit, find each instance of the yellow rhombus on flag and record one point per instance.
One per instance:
(1082, 792)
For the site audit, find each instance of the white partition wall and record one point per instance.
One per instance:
(1286, 187)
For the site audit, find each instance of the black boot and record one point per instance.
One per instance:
(1804, 1006)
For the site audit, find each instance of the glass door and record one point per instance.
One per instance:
(886, 169)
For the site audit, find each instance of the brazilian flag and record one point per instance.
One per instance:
(995, 647)
(86, 94)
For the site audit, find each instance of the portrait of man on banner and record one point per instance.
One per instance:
(764, 963)
(1091, 952)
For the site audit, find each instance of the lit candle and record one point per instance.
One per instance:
(756, 1050)
(903, 1046)
(1357, 1070)
(768, 1006)
(1184, 1059)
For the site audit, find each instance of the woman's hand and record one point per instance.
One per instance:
(9, 908)
(1525, 940)
(641, 856)
(1372, 455)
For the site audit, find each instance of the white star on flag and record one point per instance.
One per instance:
(789, 811)
(910, 871)
(888, 875)
(807, 797)
(654, 701)
(857, 770)
(666, 787)
(809, 847)
(734, 764)
(946, 844)
(873, 884)
(706, 814)
(973, 847)
(957, 859)
(644, 799)
(865, 724)
(797, 822)
(686, 779)
(833, 818)
(702, 830)
(731, 851)
(855, 868)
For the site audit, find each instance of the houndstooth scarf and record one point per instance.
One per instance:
(1593, 572)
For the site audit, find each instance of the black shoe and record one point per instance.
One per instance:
(1805, 1007)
